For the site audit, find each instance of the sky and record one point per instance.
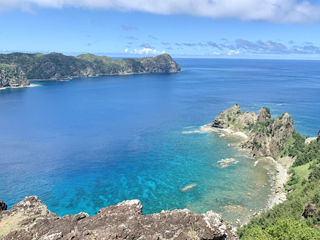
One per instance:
(275, 29)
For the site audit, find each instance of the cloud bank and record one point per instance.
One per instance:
(145, 51)
(277, 11)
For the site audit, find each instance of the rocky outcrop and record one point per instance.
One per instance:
(266, 136)
(30, 220)
(227, 117)
(310, 211)
(56, 66)
(3, 206)
(318, 138)
(264, 114)
(270, 137)
(12, 76)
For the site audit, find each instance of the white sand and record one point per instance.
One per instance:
(31, 85)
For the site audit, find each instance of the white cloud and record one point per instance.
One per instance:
(146, 51)
(233, 52)
(278, 11)
(126, 50)
(216, 53)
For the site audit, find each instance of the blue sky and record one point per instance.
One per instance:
(284, 29)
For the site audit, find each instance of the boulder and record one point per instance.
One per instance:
(310, 210)
(3, 206)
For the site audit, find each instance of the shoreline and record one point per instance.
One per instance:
(208, 128)
(278, 177)
(31, 85)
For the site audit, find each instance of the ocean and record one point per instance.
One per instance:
(88, 143)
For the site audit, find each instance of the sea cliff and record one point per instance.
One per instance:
(12, 76)
(30, 220)
(56, 66)
(266, 136)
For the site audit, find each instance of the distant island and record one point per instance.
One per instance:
(17, 69)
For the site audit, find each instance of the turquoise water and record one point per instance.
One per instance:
(88, 143)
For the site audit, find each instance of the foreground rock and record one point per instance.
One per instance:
(30, 219)
(318, 138)
(266, 136)
(12, 76)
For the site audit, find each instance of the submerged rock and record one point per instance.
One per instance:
(189, 187)
(30, 220)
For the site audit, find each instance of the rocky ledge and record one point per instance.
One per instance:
(30, 220)
(266, 136)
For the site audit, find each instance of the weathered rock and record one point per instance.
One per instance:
(318, 138)
(122, 221)
(270, 139)
(266, 136)
(310, 210)
(3, 206)
(264, 114)
(226, 117)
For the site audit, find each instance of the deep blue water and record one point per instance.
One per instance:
(84, 144)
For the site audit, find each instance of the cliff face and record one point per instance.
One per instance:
(56, 66)
(30, 220)
(12, 76)
(266, 136)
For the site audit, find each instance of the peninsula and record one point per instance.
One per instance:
(294, 212)
(17, 69)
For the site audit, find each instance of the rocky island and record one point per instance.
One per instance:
(17, 69)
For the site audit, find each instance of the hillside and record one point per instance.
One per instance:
(56, 66)
(12, 76)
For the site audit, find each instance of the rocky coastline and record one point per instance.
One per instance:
(31, 220)
(264, 138)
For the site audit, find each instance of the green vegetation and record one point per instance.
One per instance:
(268, 111)
(285, 228)
(59, 66)
(283, 221)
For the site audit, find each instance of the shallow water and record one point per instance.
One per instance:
(88, 143)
